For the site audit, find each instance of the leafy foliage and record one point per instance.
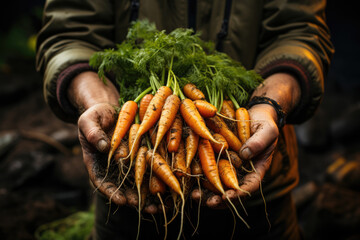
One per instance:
(149, 57)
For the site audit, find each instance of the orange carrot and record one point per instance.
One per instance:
(244, 131)
(167, 117)
(191, 145)
(227, 109)
(126, 117)
(205, 108)
(196, 168)
(180, 168)
(161, 148)
(153, 111)
(230, 103)
(192, 92)
(208, 164)
(194, 120)
(140, 168)
(243, 124)
(158, 187)
(235, 159)
(174, 134)
(222, 145)
(121, 152)
(144, 103)
(228, 175)
(163, 171)
(132, 141)
(196, 171)
(229, 179)
(217, 125)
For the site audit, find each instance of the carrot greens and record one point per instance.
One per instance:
(149, 57)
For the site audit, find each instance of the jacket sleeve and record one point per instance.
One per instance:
(72, 31)
(296, 39)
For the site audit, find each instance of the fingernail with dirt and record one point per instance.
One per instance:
(246, 153)
(102, 145)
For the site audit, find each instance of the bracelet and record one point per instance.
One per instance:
(281, 115)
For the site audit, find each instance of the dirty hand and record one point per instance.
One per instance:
(259, 148)
(96, 103)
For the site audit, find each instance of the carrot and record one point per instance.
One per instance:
(191, 145)
(217, 125)
(205, 108)
(168, 114)
(235, 159)
(209, 186)
(163, 171)
(192, 92)
(208, 164)
(219, 147)
(140, 168)
(197, 172)
(211, 171)
(229, 179)
(126, 117)
(228, 109)
(153, 111)
(144, 103)
(194, 120)
(158, 187)
(133, 141)
(243, 124)
(161, 148)
(174, 134)
(180, 168)
(228, 175)
(121, 152)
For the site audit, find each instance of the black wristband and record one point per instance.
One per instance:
(281, 115)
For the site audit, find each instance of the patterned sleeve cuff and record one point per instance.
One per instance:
(63, 82)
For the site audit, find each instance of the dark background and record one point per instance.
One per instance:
(42, 177)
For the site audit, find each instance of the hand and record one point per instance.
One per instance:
(95, 101)
(259, 148)
(94, 126)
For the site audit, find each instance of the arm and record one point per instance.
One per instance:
(294, 55)
(72, 31)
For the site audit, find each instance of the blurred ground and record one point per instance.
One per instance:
(42, 177)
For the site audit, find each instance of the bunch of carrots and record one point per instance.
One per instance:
(151, 138)
(170, 136)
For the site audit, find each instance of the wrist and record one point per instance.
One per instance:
(280, 91)
(87, 89)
